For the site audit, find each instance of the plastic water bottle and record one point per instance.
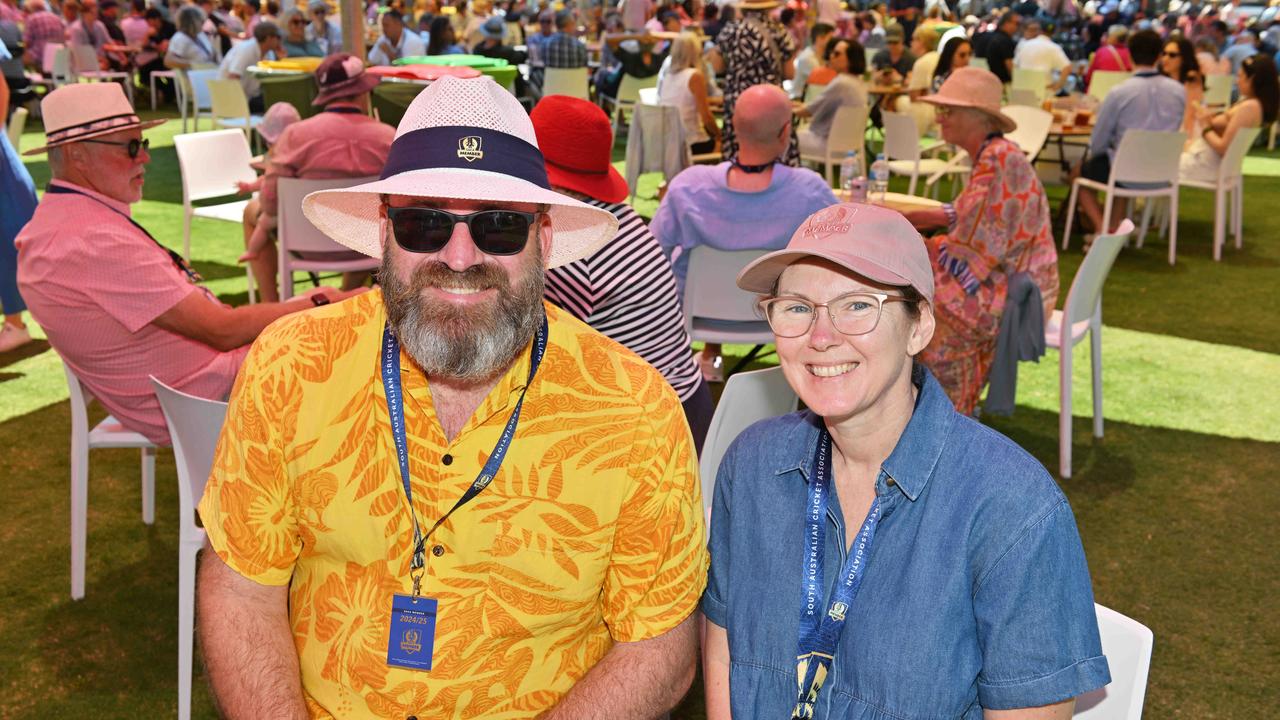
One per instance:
(880, 175)
(852, 183)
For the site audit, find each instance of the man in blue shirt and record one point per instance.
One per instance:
(1146, 101)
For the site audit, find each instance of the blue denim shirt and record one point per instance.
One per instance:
(976, 593)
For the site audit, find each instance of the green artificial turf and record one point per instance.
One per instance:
(1176, 504)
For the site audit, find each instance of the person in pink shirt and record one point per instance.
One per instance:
(1113, 55)
(343, 141)
(116, 304)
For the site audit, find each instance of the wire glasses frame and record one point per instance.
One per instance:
(133, 147)
(855, 313)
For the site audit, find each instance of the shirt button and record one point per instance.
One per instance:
(438, 550)
(412, 717)
(890, 482)
(447, 459)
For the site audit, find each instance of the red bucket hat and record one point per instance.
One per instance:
(577, 143)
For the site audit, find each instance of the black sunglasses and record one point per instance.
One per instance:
(427, 230)
(134, 146)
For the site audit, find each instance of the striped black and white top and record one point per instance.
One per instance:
(627, 291)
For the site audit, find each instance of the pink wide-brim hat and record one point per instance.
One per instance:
(972, 87)
(86, 110)
(874, 242)
(462, 139)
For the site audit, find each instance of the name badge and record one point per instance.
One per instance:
(413, 632)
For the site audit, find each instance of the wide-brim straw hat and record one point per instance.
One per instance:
(88, 110)
(971, 87)
(758, 4)
(462, 139)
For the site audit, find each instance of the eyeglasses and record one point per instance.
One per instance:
(427, 230)
(852, 314)
(1170, 54)
(297, 21)
(134, 146)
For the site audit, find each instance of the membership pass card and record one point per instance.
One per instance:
(413, 632)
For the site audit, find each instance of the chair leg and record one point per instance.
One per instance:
(1146, 220)
(149, 485)
(1173, 226)
(1064, 411)
(79, 511)
(1219, 222)
(1237, 195)
(153, 93)
(911, 186)
(1071, 211)
(186, 623)
(186, 233)
(1095, 352)
(1106, 217)
(1164, 220)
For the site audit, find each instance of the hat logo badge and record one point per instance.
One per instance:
(469, 148)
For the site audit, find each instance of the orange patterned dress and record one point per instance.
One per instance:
(591, 533)
(1002, 227)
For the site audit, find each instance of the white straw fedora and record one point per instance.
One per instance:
(973, 87)
(87, 110)
(463, 139)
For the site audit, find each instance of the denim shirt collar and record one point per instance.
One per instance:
(914, 458)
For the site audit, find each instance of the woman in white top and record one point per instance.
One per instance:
(849, 60)
(189, 47)
(1258, 106)
(685, 86)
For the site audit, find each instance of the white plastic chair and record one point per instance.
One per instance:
(194, 426)
(848, 132)
(173, 77)
(1102, 81)
(902, 149)
(85, 60)
(230, 107)
(1228, 192)
(1033, 128)
(565, 81)
(649, 96)
(1144, 156)
(107, 434)
(628, 96)
(747, 398)
(980, 63)
(1127, 644)
(1037, 81)
(1024, 97)
(1217, 90)
(60, 65)
(1080, 316)
(211, 163)
(196, 88)
(17, 123)
(296, 234)
(716, 310)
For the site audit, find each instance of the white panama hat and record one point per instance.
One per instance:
(462, 139)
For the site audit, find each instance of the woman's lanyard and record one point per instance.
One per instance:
(820, 633)
(178, 261)
(395, 408)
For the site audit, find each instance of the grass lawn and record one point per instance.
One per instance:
(1176, 505)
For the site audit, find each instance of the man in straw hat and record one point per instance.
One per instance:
(449, 498)
(115, 304)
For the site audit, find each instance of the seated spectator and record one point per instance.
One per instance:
(752, 202)
(998, 47)
(443, 40)
(712, 20)
(664, 21)
(476, 15)
(190, 46)
(1245, 46)
(42, 27)
(1207, 57)
(684, 85)
(1038, 51)
(848, 89)
(1187, 72)
(811, 57)
(109, 16)
(955, 55)
(869, 33)
(277, 117)
(236, 64)
(894, 63)
(342, 141)
(638, 55)
(564, 49)
(154, 50)
(1113, 55)
(395, 42)
(89, 32)
(1147, 101)
(295, 42)
(326, 33)
(1257, 107)
(626, 289)
(998, 225)
(83, 262)
(924, 45)
(134, 25)
(494, 34)
(536, 46)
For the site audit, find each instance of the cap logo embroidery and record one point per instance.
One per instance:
(469, 148)
(833, 221)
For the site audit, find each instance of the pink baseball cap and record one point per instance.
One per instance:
(874, 242)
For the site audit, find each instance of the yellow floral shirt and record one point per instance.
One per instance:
(591, 533)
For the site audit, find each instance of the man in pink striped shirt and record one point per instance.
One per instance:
(116, 305)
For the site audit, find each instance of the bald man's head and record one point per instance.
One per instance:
(759, 115)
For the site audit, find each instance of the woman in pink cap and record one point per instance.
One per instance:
(999, 225)
(879, 556)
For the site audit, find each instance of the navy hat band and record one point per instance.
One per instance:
(466, 148)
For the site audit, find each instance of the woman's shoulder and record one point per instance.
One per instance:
(991, 470)
(782, 440)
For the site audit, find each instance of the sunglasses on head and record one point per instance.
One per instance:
(133, 147)
(427, 230)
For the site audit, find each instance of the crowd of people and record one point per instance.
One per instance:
(486, 465)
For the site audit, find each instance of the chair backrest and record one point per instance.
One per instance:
(629, 90)
(1127, 644)
(848, 132)
(1232, 164)
(1024, 97)
(227, 100)
(17, 123)
(565, 81)
(747, 398)
(901, 137)
(63, 69)
(1217, 89)
(50, 52)
(212, 162)
(198, 81)
(1033, 127)
(80, 399)
(296, 233)
(1037, 81)
(710, 290)
(1147, 156)
(980, 63)
(812, 91)
(1101, 82)
(649, 96)
(84, 58)
(194, 426)
(1085, 297)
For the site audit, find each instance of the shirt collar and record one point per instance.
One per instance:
(914, 458)
(112, 203)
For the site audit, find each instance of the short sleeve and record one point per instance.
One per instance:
(1036, 622)
(248, 508)
(659, 564)
(714, 600)
(154, 283)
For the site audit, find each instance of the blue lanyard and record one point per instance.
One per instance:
(395, 408)
(819, 631)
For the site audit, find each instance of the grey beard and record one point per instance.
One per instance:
(469, 344)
